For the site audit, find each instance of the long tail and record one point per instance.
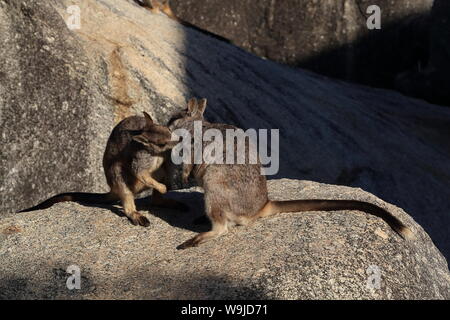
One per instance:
(274, 207)
(90, 198)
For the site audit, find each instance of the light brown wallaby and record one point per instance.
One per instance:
(133, 159)
(237, 193)
(163, 7)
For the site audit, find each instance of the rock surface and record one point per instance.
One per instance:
(315, 255)
(328, 37)
(63, 90)
(52, 104)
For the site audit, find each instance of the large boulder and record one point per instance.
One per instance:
(314, 255)
(62, 91)
(329, 37)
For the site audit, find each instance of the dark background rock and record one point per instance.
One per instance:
(331, 38)
(314, 255)
(432, 82)
(330, 131)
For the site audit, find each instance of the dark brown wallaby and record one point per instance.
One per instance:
(163, 7)
(237, 193)
(134, 156)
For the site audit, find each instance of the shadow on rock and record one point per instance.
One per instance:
(138, 285)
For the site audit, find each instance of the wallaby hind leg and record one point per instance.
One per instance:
(219, 227)
(129, 207)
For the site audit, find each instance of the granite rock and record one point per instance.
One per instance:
(314, 255)
(62, 91)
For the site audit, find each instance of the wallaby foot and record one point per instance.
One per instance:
(217, 231)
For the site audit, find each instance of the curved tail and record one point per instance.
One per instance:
(274, 207)
(91, 198)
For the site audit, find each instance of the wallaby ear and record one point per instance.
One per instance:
(141, 139)
(148, 118)
(192, 106)
(202, 106)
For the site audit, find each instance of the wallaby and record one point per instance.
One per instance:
(134, 158)
(237, 193)
(163, 7)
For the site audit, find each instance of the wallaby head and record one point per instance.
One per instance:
(154, 137)
(194, 112)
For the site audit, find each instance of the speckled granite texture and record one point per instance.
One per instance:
(315, 255)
